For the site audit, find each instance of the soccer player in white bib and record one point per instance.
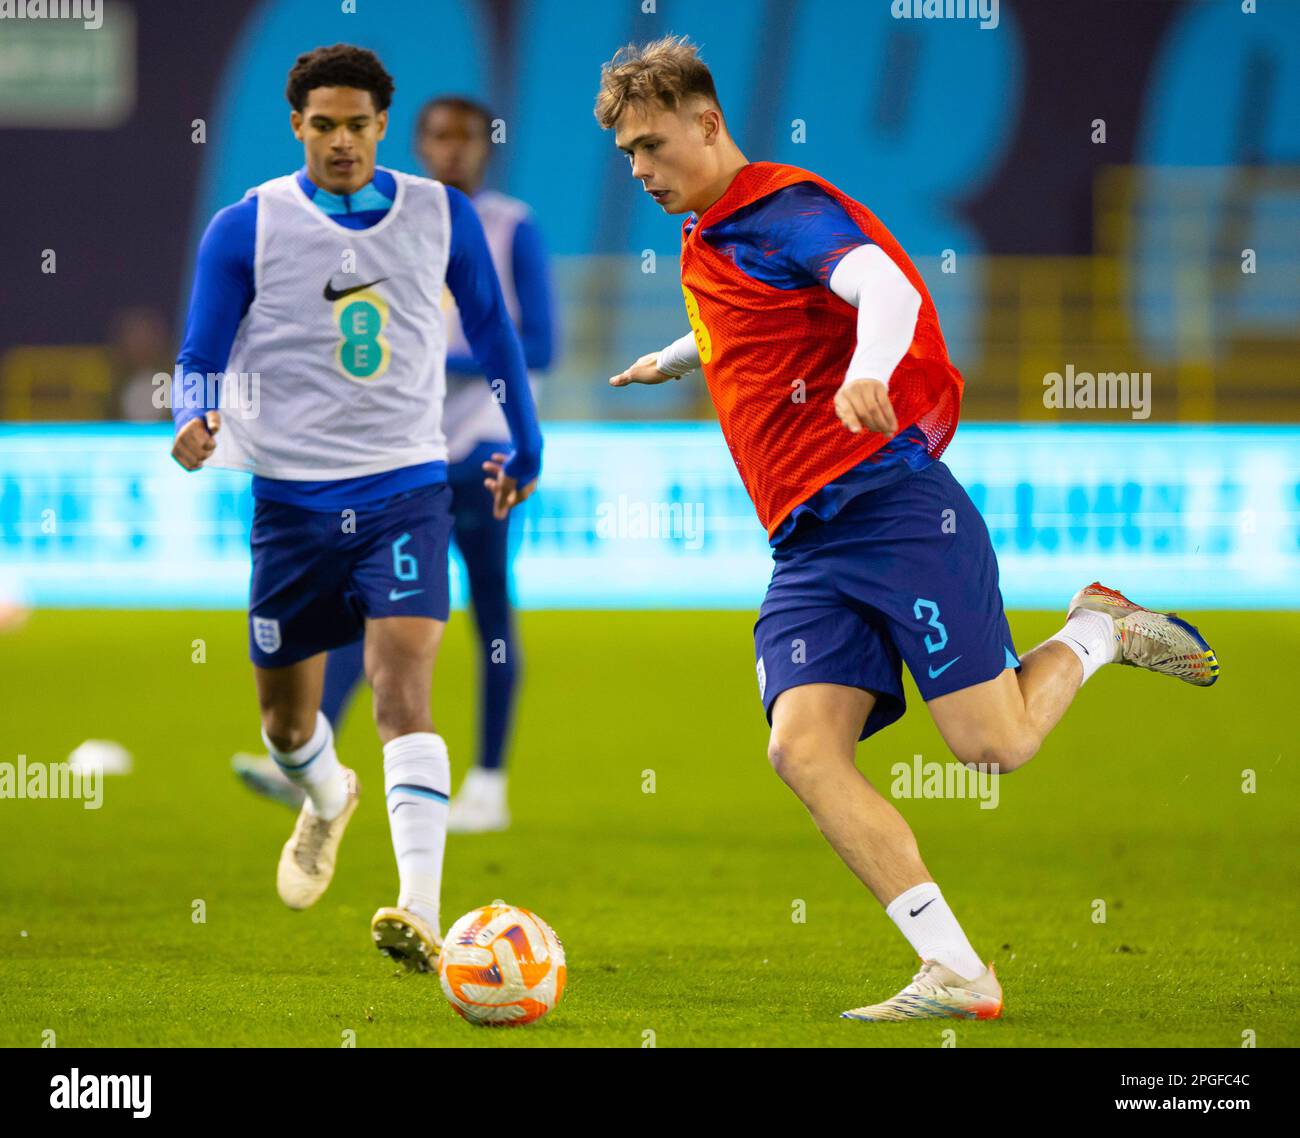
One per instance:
(323, 288)
(453, 138)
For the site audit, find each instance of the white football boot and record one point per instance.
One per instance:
(406, 938)
(1158, 641)
(261, 775)
(307, 860)
(937, 992)
(479, 807)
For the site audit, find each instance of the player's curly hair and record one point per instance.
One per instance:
(341, 65)
(663, 73)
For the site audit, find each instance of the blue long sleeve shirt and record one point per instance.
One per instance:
(224, 289)
(532, 278)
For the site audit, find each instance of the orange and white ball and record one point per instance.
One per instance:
(502, 966)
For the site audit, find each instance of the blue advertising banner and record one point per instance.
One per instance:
(654, 516)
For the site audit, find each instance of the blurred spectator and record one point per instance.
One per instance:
(140, 348)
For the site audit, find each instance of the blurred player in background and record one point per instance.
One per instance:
(453, 136)
(822, 353)
(326, 285)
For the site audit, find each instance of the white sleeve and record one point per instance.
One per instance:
(679, 357)
(887, 304)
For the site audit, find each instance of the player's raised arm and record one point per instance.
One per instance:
(492, 337)
(223, 290)
(672, 362)
(888, 305)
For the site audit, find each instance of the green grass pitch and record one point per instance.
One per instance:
(676, 908)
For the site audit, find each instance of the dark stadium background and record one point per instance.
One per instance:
(120, 204)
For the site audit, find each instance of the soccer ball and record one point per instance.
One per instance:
(502, 966)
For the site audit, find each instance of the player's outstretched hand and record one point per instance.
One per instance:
(863, 404)
(645, 370)
(196, 441)
(506, 493)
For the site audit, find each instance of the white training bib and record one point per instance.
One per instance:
(471, 415)
(346, 336)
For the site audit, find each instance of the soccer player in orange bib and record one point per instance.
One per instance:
(823, 355)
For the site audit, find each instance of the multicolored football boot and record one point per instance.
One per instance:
(1158, 641)
(937, 992)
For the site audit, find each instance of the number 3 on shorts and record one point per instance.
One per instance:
(405, 567)
(930, 645)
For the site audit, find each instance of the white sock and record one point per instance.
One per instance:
(923, 916)
(1092, 637)
(315, 767)
(417, 778)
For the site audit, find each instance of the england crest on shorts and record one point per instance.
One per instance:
(762, 679)
(266, 634)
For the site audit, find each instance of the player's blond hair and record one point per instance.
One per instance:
(664, 73)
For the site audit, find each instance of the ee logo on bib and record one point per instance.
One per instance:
(703, 341)
(363, 353)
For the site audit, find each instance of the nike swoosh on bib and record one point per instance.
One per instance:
(331, 293)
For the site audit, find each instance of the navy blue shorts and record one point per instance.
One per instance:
(903, 573)
(317, 581)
